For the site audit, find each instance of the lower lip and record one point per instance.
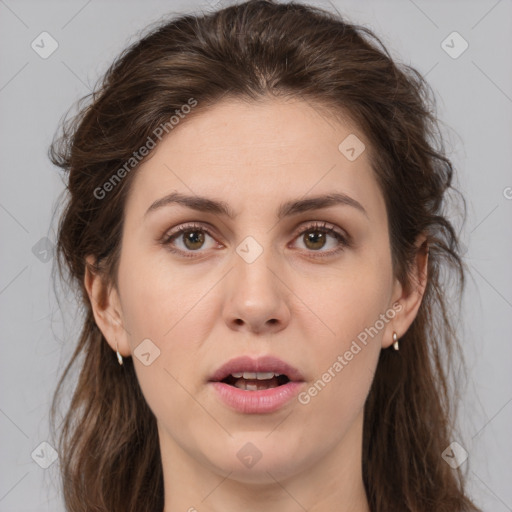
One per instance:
(257, 402)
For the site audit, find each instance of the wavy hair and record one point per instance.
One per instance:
(108, 442)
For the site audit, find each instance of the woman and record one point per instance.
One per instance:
(255, 222)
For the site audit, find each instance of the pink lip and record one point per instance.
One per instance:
(257, 402)
(262, 401)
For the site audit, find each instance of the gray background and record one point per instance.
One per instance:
(474, 94)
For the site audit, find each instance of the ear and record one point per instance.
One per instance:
(106, 308)
(409, 298)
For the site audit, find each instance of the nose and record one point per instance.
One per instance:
(257, 297)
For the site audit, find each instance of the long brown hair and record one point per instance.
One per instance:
(108, 443)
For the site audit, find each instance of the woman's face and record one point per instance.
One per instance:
(268, 281)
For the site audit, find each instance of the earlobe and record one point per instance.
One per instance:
(106, 308)
(410, 297)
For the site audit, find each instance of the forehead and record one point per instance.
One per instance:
(258, 153)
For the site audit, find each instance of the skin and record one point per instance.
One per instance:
(202, 311)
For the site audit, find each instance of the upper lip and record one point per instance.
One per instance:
(260, 364)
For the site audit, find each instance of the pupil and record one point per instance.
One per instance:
(191, 237)
(314, 238)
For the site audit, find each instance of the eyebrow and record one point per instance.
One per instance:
(287, 209)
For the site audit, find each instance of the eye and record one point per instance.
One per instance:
(316, 235)
(192, 236)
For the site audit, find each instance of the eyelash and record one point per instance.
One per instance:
(315, 226)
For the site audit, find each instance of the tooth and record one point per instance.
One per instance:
(261, 376)
(264, 375)
(253, 386)
(255, 375)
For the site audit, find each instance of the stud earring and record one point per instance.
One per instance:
(119, 356)
(395, 341)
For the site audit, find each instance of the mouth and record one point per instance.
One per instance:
(256, 386)
(249, 374)
(252, 381)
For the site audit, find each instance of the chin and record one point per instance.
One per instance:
(255, 458)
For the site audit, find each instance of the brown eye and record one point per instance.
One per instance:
(193, 240)
(187, 239)
(314, 239)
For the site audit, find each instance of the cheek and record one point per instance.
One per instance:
(171, 307)
(156, 295)
(349, 300)
(346, 354)
(165, 307)
(353, 313)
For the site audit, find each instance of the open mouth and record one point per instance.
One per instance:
(251, 381)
